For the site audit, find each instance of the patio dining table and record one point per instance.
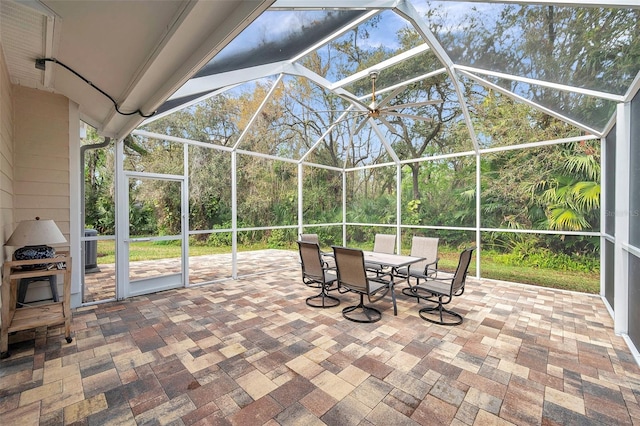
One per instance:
(393, 262)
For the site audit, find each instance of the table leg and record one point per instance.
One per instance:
(393, 296)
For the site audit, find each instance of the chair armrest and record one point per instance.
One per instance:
(328, 267)
(431, 269)
(428, 266)
(442, 275)
(381, 274)
(328, 262)
(381, 291)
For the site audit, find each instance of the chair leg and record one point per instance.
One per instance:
(371, 314)
(440, 310)
(414, 290)
(322, 300)
(411, 291)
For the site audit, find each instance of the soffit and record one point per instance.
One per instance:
(138, 52)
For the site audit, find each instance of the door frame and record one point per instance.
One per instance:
(158, 282)
(122, 176)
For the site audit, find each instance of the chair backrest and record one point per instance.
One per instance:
(384, 243)
(310, 238)
(311, 260)
(351, 271)
(426, 247)
(460, 276)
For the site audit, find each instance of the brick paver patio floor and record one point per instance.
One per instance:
(251, 352)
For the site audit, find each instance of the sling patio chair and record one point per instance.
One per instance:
(426, 269)
(383, 243)
(310, 238)
(442, 290)
(316, 273)
(326, 256)
(352, 276)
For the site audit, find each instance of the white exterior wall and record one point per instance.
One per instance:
(41, 157)
(6, 154)
(39, 147)
(41, 184)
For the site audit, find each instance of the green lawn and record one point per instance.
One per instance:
(150, 251)
(567, 280)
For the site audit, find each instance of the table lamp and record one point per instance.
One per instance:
(33, 236)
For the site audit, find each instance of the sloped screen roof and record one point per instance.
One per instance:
(384, 67)
(277, 36)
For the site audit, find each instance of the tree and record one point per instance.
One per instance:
(211, 121)
(588, 47)
(572, 196)
(99, 190)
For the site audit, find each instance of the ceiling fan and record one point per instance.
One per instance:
(379, 110)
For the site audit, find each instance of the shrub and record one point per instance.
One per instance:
(278, 238)
(222, 239)
(545, 258)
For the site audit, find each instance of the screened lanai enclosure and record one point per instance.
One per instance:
(509, 126)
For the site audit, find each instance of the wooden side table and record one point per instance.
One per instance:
(23, 287)
(29, 317)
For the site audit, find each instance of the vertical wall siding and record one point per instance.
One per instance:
(6, 153)
(41, 156)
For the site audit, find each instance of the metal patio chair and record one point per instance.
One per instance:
(441, 291)
(383, 243)
(316, 273)
(327, 257)
(352, 276)
(427, 269)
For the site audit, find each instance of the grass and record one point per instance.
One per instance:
(566, 280)
(151, 251)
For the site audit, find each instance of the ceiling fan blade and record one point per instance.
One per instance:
(353, 117)
(416, 104)
(360, 126)
(391, 96)
(343, 111)
(353, 100)
(389, 125)
(414, 117)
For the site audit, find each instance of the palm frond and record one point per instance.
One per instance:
(587, 165)
(567, 219)
(587, 194)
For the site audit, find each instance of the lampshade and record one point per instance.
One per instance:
(36, 233)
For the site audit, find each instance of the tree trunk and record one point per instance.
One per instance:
(415, 172)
